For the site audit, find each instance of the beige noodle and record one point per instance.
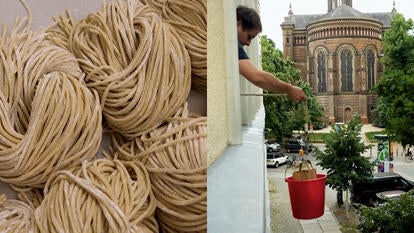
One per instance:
(33, 197)
(136, 61)
(105, 196)
(49, 119)
(189, 18)
(15, 216)
(175, 156)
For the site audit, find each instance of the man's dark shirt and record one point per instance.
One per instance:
(242, 53)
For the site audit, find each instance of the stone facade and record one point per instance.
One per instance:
(339, 54)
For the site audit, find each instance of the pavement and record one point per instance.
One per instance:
(281, 217)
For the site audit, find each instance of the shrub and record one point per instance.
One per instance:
(396, 216)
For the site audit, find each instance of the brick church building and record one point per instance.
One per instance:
(339, 54)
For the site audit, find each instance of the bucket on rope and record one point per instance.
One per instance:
(307, 197)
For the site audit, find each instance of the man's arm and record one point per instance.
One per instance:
(268, 81)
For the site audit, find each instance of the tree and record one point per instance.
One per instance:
(396, 87)
(379, 112)
(283, 116)
(276, 117)
(342, 157)
(393, 217)
(313, 112)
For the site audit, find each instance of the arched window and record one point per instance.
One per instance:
(321, 72)
(346, 70)
(370, 69)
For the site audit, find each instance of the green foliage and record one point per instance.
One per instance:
(395, 89)
(342, 157)
(393, 217)
(380, 113)
(274, 62)
(276, 111)
(313, 108)
(282, 115)
(398, 44)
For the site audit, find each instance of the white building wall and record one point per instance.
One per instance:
(237, 182)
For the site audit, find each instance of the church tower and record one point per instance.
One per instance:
(332, 4)
(347, 2)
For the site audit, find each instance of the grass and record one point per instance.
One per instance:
(348, 223)
(321, 137)
(371, 135)
(318, 137)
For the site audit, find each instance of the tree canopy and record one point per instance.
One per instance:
(395, 105)
(342, 158)
(282, 115)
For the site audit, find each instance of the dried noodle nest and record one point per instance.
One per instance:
(136, 61)
(189, 18)
(50, 120)
(105, 196)
(175, 156)
(15, 216)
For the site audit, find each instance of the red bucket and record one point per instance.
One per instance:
(307, 197)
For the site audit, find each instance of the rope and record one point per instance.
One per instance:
(305, 109)
(99, 196)
(135, 60)
(265, 94)
(306, 114)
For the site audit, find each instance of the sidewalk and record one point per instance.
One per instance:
(282, 219)
(327, 223)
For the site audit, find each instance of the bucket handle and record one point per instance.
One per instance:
(308, 162)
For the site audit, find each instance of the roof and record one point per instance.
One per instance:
(342, 12)
(386, 174)
(383, 17)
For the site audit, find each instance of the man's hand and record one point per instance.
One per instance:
(296, 93)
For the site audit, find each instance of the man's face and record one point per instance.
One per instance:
(245, 36)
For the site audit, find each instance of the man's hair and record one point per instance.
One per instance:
(249, 18)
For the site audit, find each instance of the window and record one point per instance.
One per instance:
(346, 70)
(370, 69)
(321, 72)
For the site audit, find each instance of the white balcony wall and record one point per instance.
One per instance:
(237, 182)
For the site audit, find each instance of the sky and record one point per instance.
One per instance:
(272, 12)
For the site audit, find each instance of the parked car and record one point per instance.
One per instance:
(294, 145)
(275, 159)
(272, 146)
(366, 193)
(385, 196)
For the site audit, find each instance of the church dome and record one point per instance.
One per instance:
(344, 22)
(344, 12)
